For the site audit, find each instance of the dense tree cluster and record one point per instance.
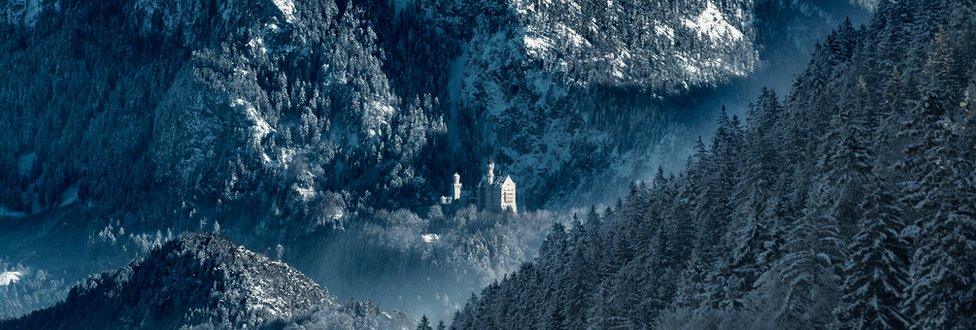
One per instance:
(848, 203)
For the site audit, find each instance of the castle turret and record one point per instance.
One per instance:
(457, 186)
(491, 172)
(508, 195)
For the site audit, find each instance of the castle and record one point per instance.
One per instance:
(491, 194)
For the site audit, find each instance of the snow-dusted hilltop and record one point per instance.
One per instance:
(202, 280)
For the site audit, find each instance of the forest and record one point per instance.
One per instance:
(848, 203)
(318, 135)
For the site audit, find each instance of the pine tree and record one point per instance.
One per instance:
(760, 162)
(580, 278)
(691, 288)
(738, 276)
(809, 268)
(876, 271)
(713, 212)
(845, 167)
(962, 28)
(943, 267)
(424, 323)
(678, 229)
(929, 120)
(943, 77)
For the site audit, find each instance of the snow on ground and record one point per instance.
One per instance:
(430, 238)
(10, 277)
(665, 31)
(712, 24)
(259, 127)
(378, 116)
(535, 45)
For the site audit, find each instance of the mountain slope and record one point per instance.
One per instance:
(302, 106)
(569, 96)
(194, 280)
(193, 101)
(846, 204)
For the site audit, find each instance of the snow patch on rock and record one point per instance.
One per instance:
(259, 126)
(711, 24)
(287, 9)
(10, 277)
(664, 31)
(535, 45)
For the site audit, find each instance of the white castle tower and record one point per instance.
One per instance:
(457, 186)
(491, 172)
(496, 195)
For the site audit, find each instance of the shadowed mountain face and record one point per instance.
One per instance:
(194, 280)
(201, 102)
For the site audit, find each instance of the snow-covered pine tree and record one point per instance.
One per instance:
(713, 212)
(876, 271)
(678, 230)
(943, 267)
(809, 268)
(691, 288)
(760, 163)
(757, 247)
(580, 276)
(846, 159)
(424, 323)
(926, 118)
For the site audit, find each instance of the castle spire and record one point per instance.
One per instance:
(491, 172)
(457, 186)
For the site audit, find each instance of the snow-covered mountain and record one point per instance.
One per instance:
(278, 119)
(570, 96)
(202, 279)
(310, 105)
(539, 77)
(198, 103)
